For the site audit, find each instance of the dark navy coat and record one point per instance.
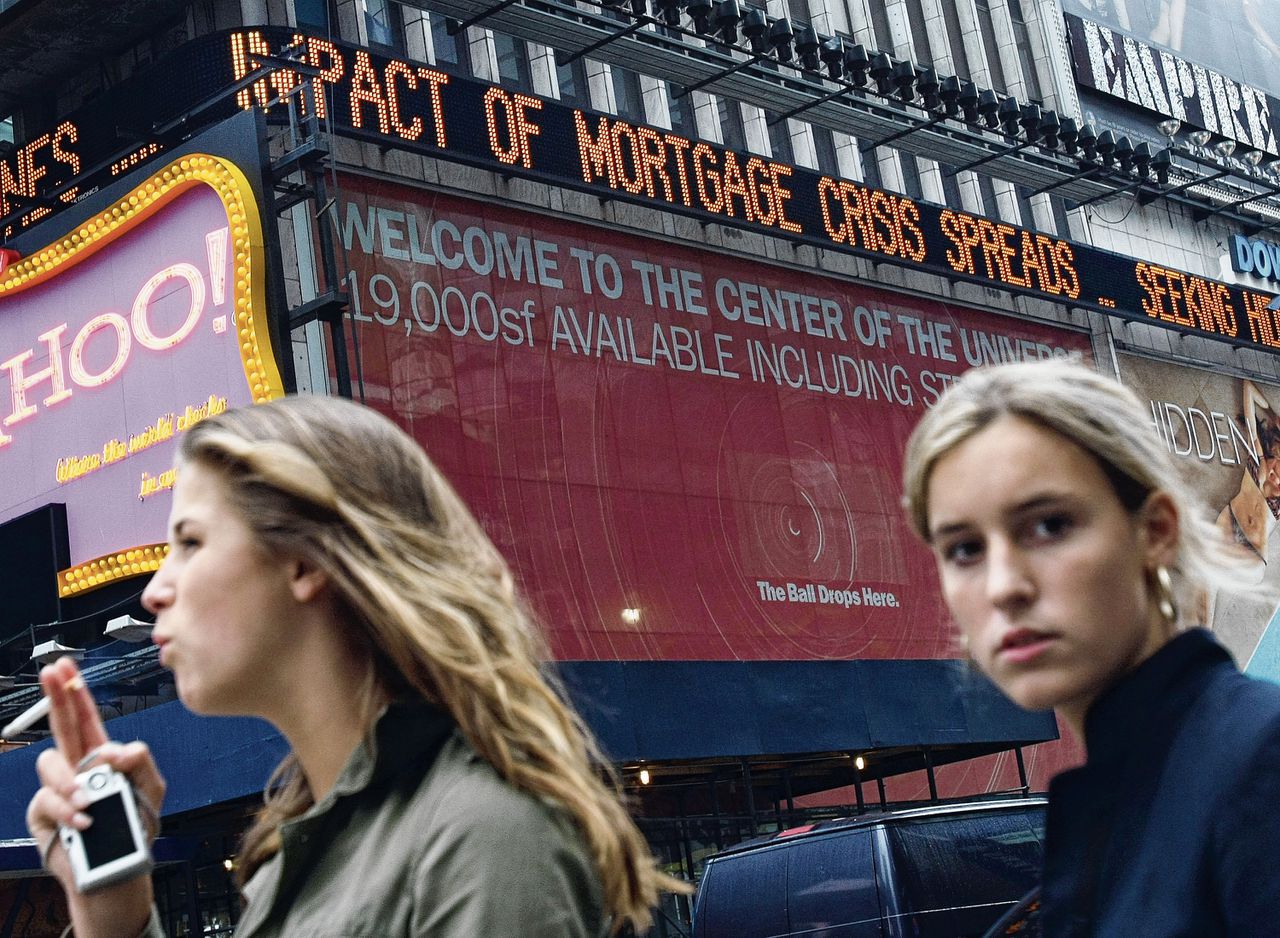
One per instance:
(1172, 828)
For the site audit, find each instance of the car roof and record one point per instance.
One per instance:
(873, 818)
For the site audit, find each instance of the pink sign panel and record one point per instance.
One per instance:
(685, 454)
(113, 341)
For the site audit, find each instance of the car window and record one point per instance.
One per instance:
(832, 887)
(957, 875)
(744, 897)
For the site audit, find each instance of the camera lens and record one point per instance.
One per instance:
(97, 780)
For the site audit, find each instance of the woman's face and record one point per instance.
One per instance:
(223, 605)
(1042, 567)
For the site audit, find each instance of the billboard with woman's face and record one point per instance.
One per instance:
(1226, 431)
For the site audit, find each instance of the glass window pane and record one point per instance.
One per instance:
(383, 24)
(825, 146)
(572, 79)
(313, 13)
(779, 138)
(731, 127)
(959, 874)
(870, 168)
(832, 886)
(513, 61)
(627, 93)
(683, 120)
(744, 896)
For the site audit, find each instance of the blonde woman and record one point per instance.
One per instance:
(1064, 536)
(324, 576)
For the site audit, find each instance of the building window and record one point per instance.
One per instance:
(1060, 219)
(959, 60)
(627, 94)
(880, 26)
(779, 138)
(824, 146)
(572, 79)
(1024, 206)
(680, 108)
(732, 130)
(451, 52)
(383, 24)
(798, 10)
(987, 25)
(870, 168)
(315, 14)
(513, 61)
(950, 186)
(1026, 57)
(910, 176)
(919, 32)
(990, 207)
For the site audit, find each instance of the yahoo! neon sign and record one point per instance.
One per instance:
(117, 338)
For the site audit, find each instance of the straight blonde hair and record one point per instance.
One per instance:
(433, 609)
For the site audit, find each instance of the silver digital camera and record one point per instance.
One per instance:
(114, 847)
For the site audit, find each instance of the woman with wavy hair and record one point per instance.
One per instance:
(324, 576)
(1065, 538)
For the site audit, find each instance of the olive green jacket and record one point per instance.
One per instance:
(420, 838)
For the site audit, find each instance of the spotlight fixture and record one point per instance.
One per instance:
(1170, 127)
(1124, 154)
(1107, 147)
(670, 11)
(882, 72)
(1142, 157)
(1199, 137)
(645, 777)
(988, 106)
(1088, 140)
(1030, 117)
(1049, 129)
(780, 36)
(50, 651)
(1068, 134)
(700, 12)
(807, 47)
(1160, 164)
(128, 629)
(831, 52)
(725, 17)
(1224, 148)
(1009, 112)
(968, 100)
(930, 89)
(856, 64)
(904, 78)
(755, 26)
(1252, 158)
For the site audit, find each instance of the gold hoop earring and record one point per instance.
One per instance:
(1166, 601)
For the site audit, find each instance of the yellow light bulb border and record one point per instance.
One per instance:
(248, 286)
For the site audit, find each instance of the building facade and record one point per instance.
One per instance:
(663, 288)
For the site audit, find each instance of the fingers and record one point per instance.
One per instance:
(73, 715)
(58, 801)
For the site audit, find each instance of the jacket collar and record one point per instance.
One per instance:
(405, 732)
(1164, 685)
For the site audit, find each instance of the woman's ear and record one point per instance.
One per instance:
(306, 580)
(1160, 526)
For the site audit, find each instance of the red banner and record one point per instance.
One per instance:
(684, 454)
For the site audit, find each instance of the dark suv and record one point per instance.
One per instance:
(943, 871)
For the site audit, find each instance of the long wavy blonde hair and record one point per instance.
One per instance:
(433, 608)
